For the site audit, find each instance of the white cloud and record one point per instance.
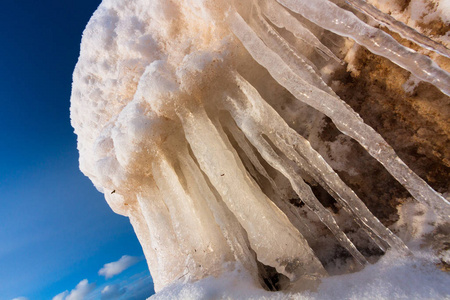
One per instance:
(81, 290)
(61, 296)
(20, 298)
(112, 292)
(113, 268)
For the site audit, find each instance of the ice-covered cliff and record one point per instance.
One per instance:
(229, 132)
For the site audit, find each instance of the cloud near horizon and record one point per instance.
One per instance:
(82, 289)
(114, 268)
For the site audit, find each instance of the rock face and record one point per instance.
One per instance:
(258, 136)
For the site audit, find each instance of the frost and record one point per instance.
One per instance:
(174, 107)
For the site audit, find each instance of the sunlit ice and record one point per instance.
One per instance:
(203, 121)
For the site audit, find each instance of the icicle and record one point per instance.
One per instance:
(300, 187)
(165, 125)
(329, 16)
(300, 65)
(404, 30)
(243, 144)
(204, 250)
(240, 138)
(161, 236)
(281, 18)
(292, 214)
(345, 119)
(276, 242)
(142, 230)
(307, 158)
(298, 149)
(249, 166)
(223, 218)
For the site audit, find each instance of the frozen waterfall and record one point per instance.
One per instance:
(176, 105)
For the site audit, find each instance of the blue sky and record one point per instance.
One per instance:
(56, 230)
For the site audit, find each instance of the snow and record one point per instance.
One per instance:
(443, 10)
(170, 102)
(393, 277)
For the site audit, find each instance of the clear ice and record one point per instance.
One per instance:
(174, 128)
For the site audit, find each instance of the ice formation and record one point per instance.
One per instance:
(174, 102)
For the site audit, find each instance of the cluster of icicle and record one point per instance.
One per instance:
(173, 128)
